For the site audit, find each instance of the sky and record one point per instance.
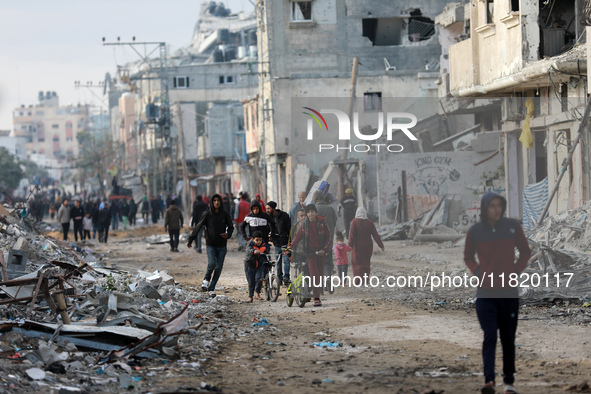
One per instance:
(47, 45)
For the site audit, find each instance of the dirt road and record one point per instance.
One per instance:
(390, 339)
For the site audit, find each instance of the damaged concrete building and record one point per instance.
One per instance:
(530, 58)
(306, 51)
(188, 106)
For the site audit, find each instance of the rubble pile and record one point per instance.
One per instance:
(70, 322)
(560, 252)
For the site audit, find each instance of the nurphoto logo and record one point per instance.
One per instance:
(394, 122)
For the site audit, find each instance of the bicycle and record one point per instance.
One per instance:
(270, 280)
(298, 290)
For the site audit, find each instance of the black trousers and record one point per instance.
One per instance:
(103, 233)
(65, 229)
(174, 238)
(498, 314)
(78, 230)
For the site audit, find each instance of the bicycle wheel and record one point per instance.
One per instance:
(289, 300)
(267, 288)
(274, 288)
(300, 296)
(329, 287)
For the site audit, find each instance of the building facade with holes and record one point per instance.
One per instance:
(307, 49)
(531, 57)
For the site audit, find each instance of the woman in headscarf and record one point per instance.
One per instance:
(360, 239)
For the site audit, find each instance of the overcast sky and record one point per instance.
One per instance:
(47, 45)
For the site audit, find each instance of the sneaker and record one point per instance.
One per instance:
(286, 282)
(212, 294)
(205, 285)
(199, 251)
(172, 249)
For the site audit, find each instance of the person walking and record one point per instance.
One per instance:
(342, 258)
(360, 240)
(494, 240)
(132, 212)
(86, 226)
(125, 211)
(219, 227)
(257, 220)
(77, 213)
(317, 239)
(94, 212)
(349, 206)
(241, 212)
(297, 255)
(155, 209)
(293, 210)
(173, 222)
(261, 202)
(104, 221)
(283, 224)
(145, 210)
(115, 213)
(63, 216)
(199, 208)
(330, 217)
(254, 262)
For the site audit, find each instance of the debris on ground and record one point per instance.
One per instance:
(70, 321)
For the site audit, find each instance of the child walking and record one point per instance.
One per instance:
(342, 258)
(254, 262)
(86, 226)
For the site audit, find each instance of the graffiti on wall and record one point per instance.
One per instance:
(433, 176)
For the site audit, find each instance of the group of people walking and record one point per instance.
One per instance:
(308, 230)
(95, 218)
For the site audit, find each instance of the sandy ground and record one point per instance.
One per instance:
(391, 340)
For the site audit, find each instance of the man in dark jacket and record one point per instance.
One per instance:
(104, 221)
(114, 209)
(77, 213)
(494, 240)
(173, 222)
(283, 224)
(145, 210)
(155, 209)
(132, 212)
(219, 228)
(257, 220)
(125, 210)
(199, 207)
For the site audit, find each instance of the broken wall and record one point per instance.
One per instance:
(431, 176)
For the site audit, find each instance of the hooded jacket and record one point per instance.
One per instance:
(495, 247)
(325, 210)
(216, 223)
(173, 218)
(260, 222)
(104, 217)
(253, 260)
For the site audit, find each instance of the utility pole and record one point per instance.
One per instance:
(186, 201)
(163, 122)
